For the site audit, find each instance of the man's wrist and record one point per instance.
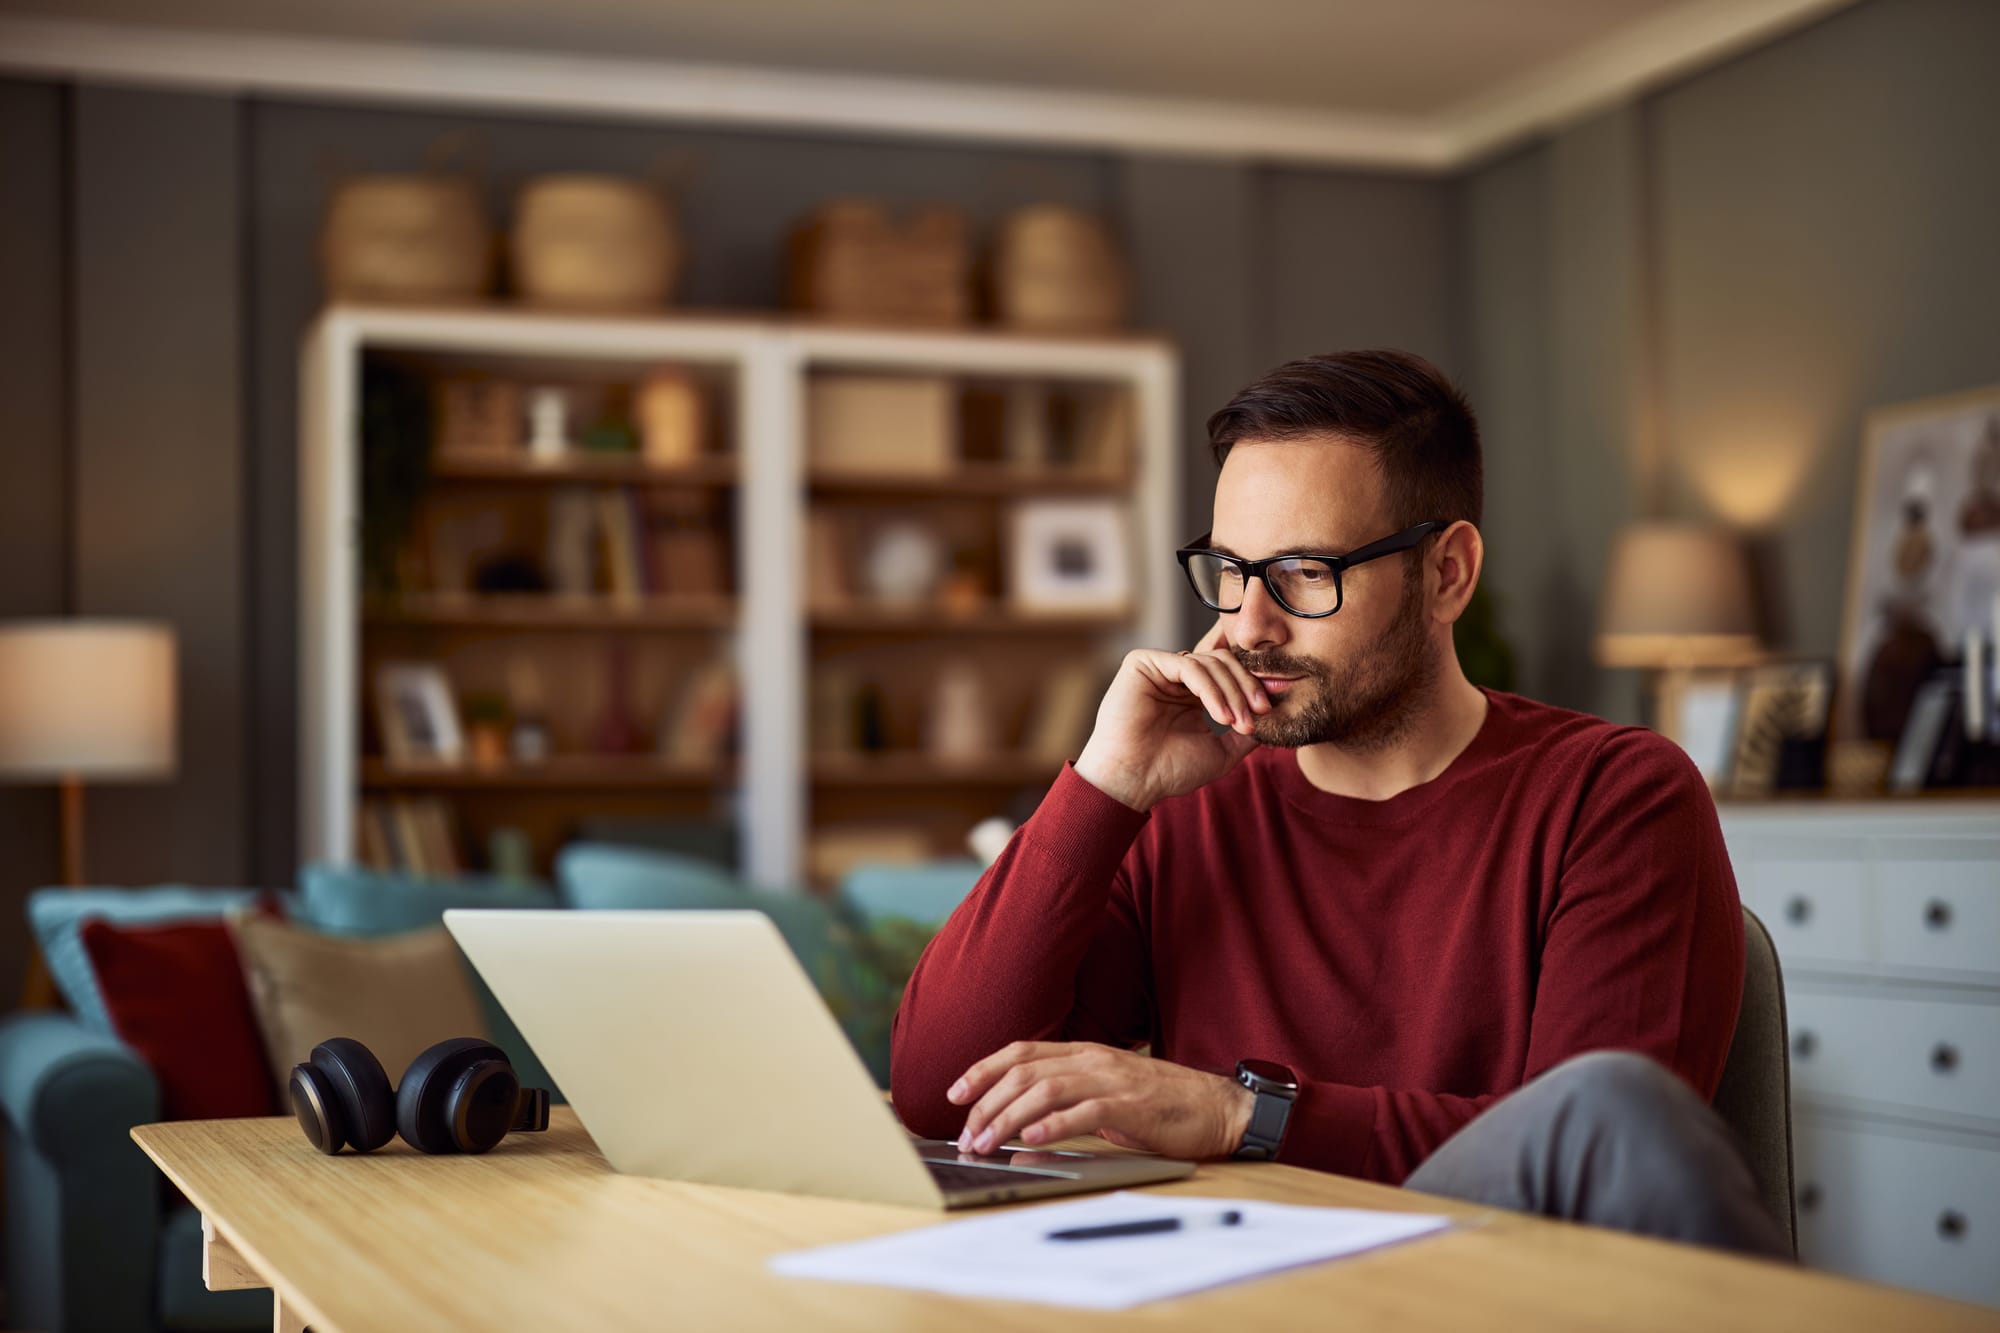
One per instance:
(1118, 783)
(1242, 1104)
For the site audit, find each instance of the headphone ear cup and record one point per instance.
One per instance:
(423, 1098)
(317, 1108)
(350, 1073)
(479, 1109)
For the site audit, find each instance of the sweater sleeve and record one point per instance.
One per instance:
(1642, 950)
(1047, 947)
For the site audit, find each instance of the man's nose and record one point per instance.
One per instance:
(1260, 622)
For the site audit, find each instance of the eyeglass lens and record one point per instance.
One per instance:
(1305, 585)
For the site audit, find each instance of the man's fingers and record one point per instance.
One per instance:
(1221, 686)
(1046, 1097)
(974, 1082)
(1252, 688)
(1092, 1115)
(1002, 1094)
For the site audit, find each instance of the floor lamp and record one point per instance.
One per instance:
(83, 699)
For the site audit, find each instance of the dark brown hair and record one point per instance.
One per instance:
(1396, 404)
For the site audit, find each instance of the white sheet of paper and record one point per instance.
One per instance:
(1007, 1256)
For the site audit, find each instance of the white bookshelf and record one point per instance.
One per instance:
(767, 363)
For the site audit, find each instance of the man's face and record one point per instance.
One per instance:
(1352, 679)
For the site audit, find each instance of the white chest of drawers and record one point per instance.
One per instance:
(1887, 923)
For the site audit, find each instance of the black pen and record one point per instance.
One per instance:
(1151, 1226)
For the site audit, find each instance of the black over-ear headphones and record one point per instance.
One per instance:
(460, 1095)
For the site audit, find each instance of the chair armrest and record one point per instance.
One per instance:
(69, 1091)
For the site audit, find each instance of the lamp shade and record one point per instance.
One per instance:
(1678, 595)
(87, 699)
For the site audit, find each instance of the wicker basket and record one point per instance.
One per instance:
(1057, 270)
(594, 243)
(406, 237)
(850, 261)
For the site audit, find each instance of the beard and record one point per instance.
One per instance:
(1365, 704)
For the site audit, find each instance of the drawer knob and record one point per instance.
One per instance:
(1804, 1043)
(1798, 910)
(1937, 914)
(1944, 1057)
(1809, 1196)
(1951, 1224)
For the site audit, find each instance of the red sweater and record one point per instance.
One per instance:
(1561, 887)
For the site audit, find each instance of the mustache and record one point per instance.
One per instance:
(1267, 663)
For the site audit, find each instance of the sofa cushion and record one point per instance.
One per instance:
(350, 900)
(175, 995)
(927, 894)
(395, 994)
(601, 877)
(57, 915)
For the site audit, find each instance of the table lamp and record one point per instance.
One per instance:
(84, 699)
(1677, 599)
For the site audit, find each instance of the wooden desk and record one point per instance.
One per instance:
(542, 1234)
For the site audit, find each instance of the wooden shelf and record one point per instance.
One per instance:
(553, 612)
(968, 481)
(915, 769)
(624, 470)
(558, 773)
(936, 623)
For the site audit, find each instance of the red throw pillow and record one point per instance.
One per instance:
(177, 997)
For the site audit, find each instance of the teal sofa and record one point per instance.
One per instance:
(91, 1242)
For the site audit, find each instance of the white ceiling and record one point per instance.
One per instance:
(1333, 72)
(1402, 57)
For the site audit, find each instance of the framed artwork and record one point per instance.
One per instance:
(418, 715)
(1925, 559)
(1781, 705)
(1698, 711)
(1070, 556)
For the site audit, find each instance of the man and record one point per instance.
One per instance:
(1400, 897)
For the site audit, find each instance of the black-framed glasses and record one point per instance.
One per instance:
(1304, 585)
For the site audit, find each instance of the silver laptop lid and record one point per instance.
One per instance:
(694, 1047)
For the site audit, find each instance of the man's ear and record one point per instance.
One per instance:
(1456, 562)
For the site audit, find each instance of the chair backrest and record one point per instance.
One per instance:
(1755, 1095)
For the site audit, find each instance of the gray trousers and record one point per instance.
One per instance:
(1611, 1139)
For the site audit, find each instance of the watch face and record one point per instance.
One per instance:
(1268, 1072)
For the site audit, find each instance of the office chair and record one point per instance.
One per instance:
(1755, 1095)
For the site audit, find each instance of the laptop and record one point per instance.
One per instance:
(693, 1047)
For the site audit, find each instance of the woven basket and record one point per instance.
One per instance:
(851, 261)
(594, 243)
(406, 237)
(1057, 270)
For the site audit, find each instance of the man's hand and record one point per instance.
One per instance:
(1045, 1090)
(1152, 738)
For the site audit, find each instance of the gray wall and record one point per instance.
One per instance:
(175, 234)
(1816, 221)
(1680, 306)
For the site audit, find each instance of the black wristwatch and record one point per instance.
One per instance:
(1277, 1088)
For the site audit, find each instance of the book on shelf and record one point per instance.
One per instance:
(618, 526)
(684, 553)
(702, 730)
(409, 835)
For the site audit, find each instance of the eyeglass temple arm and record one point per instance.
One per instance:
(1401, 541)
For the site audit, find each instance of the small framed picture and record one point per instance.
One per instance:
(1698, 711)
(1781, 727)
(1070, 556)
(1924, 739)
(418, 715)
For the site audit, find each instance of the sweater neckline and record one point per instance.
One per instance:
(1406, 805)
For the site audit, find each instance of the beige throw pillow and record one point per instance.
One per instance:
(394, 994)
